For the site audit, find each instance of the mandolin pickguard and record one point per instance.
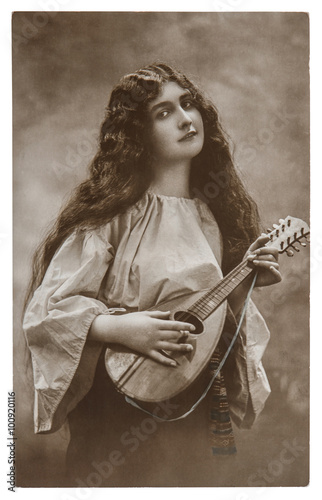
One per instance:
(147, 380)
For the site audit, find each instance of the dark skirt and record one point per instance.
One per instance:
(114, 444)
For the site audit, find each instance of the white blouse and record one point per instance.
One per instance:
(160, 247)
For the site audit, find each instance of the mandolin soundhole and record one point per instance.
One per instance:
(189, 318)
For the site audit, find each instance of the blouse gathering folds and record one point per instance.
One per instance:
(160, 247)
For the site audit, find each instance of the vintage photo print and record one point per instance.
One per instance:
(161, 173)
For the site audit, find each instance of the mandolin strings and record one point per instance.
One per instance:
(204, 306)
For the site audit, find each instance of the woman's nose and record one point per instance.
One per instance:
(184, 119)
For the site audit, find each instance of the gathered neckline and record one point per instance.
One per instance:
(166, 197)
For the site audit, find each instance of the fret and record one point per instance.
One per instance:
(212, 303)
(229, 286)
(214, 297)
(220, 294)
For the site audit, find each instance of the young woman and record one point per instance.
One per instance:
(144, 228)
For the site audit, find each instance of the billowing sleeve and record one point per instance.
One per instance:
(57, 322)
(245, 377)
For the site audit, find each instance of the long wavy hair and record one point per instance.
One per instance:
(120, 172)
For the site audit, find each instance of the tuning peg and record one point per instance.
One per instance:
(275, 226)
(290, 252)
(295, 248)
(281, 221)
(269, 230)
(303, 243)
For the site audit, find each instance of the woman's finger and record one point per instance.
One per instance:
(173, 346)
(276, 272)
(267, 251)
(174, 335)
(261, 241)
(157, 356)
(275, 277)
(266, 263)
(256, 256)
(176, 325)
(158, 314)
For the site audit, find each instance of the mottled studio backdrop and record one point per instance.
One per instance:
(255, 68)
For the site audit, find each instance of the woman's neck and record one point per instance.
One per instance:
(171, 181)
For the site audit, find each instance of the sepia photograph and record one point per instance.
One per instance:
(161, 256)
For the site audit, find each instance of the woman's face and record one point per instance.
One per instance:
(176, 129)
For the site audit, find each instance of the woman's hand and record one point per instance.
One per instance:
(265, 260)
(147, 332)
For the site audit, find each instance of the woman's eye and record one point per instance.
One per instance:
(187, 104)
(163, 114)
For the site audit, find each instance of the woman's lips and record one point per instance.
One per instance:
(188, 136)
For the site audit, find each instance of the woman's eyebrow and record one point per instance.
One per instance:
(167, 103)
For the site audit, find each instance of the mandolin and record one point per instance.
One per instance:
(149, 381)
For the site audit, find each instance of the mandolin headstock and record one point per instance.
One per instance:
(287, 234)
